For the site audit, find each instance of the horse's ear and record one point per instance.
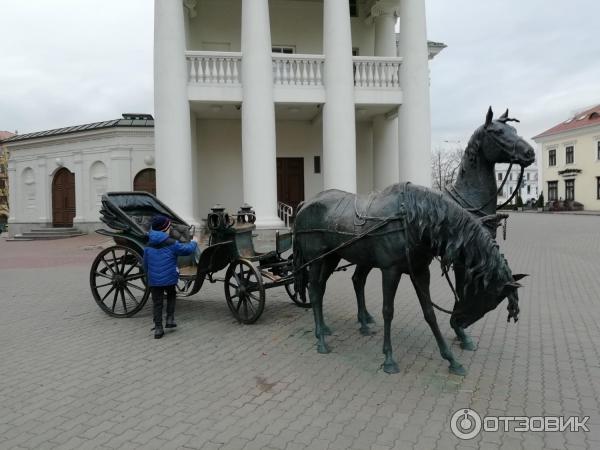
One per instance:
(513, 285)
(489, 117)
(519, 276)
(505, 115)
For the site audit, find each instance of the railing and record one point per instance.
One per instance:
(285, 213)
(298, 70)
(376, 72)
(214, 67)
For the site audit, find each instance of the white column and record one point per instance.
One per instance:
(172, 135)
(339, 128)
(42, 181)
(414, 126)
(259, 166)
(385, 152)
(385, 130)
(80, 213)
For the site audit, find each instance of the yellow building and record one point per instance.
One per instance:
(4, 180)
(569, 159)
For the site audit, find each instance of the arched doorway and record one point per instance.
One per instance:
(145, 181)
(63, 198)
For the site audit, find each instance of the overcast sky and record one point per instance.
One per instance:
(70, 62)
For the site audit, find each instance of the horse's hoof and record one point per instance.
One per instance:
(370, 318)
(366, 331)
(391, 367)
(323, 348)
(468, 345)
(458, 369)
(326, 330)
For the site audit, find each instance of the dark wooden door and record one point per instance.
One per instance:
(290, 181)
(145, 181)
(63, 198)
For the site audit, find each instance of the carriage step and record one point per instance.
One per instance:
(48, 233)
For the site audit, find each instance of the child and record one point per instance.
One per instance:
(160, 264)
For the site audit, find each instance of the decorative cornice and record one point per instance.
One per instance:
(569, 172)
(382, 8)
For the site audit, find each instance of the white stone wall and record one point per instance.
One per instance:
(101, 160)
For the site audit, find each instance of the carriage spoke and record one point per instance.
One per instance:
(245, 308)
(253, 296)
(108, 265)
(123, 300)
(108, 293)
(136, 287)
(103, 275)
(115, 260)
(239, 304)
(251, 306)
(137, 276)
(103, 285)
(132, 296)
(115, 298)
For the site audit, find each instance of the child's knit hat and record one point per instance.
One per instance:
(160, 223)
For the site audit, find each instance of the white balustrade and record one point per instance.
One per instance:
(214, 67)
(298, 70)
(376, 72)
(224, 68)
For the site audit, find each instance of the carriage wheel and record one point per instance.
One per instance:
(244, 291)
(298, 296)
(118, 281)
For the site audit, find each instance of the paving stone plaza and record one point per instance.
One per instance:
(73, 377)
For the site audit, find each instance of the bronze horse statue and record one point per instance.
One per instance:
(400, 230)
(475, 190)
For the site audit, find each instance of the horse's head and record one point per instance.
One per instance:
(477, 302)
(500, 142)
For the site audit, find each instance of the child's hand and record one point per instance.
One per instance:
(195, 239)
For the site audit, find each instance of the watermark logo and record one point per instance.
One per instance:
(467, 423)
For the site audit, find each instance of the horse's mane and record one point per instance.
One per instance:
(455, 236)
(470, 155)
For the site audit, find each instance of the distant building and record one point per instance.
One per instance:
(4, 179)
(569, 158)
(529, 184)
(57, 177)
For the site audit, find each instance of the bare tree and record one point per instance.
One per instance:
(444, 167)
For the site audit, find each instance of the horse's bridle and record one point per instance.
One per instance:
(479, 210)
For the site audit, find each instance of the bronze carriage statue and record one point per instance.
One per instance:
(117, 278)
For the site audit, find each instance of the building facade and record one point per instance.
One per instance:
(4, 180)
(57, 177)
(529, 185)
(569, 158)
(264, 101)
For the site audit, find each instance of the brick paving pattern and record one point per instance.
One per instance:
(72, 377)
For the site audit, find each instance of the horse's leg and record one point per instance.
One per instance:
(359, 278)
(318, 275)
(420, 281)
(390, 280)
(466, 343)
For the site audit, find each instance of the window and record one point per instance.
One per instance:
(598, 188)
(527, 176)
(552, 191)
(353, 8)
(552, 157)
(528, 189)
(598, 150)
(569, 189)
(569, 155)
(510, 177)
(499, 177)
(288, 50)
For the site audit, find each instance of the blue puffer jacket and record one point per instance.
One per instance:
(160, 258)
